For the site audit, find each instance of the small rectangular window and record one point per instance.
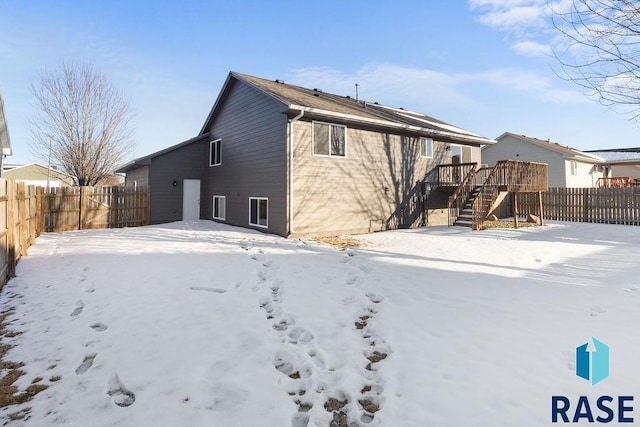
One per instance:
(259, 211)
(215, 152)
(329, 139)
(219, 207)
(574, 167)
(426, 147)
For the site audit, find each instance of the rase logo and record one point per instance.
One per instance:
(592, 364)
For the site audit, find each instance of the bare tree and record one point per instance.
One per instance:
(601, 50)
(83, 124)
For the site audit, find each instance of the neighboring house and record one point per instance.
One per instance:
(567, 166)
(5, 143)
(38, 175)
(289, 160)
(621, 162)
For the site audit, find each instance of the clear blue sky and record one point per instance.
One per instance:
(483, 65)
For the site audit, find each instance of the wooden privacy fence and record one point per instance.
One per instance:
(598, 205)
(27, 211)
(80, 208)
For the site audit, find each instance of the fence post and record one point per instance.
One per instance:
(11, 232)
(515, 210)
(22, 213)
(80, 207)
(39, 210)
(33, 214)
(115, 207)
(539, 195)
(585, 205)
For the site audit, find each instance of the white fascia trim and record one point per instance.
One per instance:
(431, 132)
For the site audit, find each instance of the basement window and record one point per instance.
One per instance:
(219, 207)
(329, 140)
(215, 152)
(259, 211)
(426, 148)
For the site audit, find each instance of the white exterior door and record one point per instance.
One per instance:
(190, 199)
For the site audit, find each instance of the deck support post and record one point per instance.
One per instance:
(540, 208)
(515, 209)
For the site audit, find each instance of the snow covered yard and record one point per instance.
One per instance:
(201, 324)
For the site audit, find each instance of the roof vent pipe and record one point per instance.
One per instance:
(357, 86)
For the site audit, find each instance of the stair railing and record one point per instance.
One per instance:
(459, 197)
(488, 193)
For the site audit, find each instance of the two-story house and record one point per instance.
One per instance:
(295, 161)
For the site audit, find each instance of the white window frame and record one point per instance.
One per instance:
(426, 143)
(224, 207)
(574, 167)
(215, 161)
(259, 199)
(313, 139)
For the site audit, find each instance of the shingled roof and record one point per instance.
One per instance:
(565, 150)
(320, 103)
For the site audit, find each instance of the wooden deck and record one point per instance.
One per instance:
(618, 182)
(480, 191)
(510, 175)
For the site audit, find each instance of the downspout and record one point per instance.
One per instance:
(291, 140)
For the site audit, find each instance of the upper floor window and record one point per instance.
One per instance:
(215, 152)
(426, 147)
(574, 167)
(329, 139)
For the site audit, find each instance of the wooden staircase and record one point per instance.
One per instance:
(482, 191)
(465, 216)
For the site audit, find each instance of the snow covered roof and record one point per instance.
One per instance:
(618, 155)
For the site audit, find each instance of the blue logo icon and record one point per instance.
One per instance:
(592, 361)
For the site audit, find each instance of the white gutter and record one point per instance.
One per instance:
(460, 137)
(291, 140)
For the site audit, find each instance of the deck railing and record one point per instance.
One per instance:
(617, 182)
(453, 175)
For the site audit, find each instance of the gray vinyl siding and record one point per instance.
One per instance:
(253, 129)
(187, 162)
(625, 171)
(510, 148)
(357, 193)
(138, 176)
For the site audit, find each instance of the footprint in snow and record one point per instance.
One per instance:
(299, 335)
(87, 363)
(597, 310)
(215, 290)
(119, 393)
(99, 327)
(352, 278)
(78, 309)
(375, 298)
